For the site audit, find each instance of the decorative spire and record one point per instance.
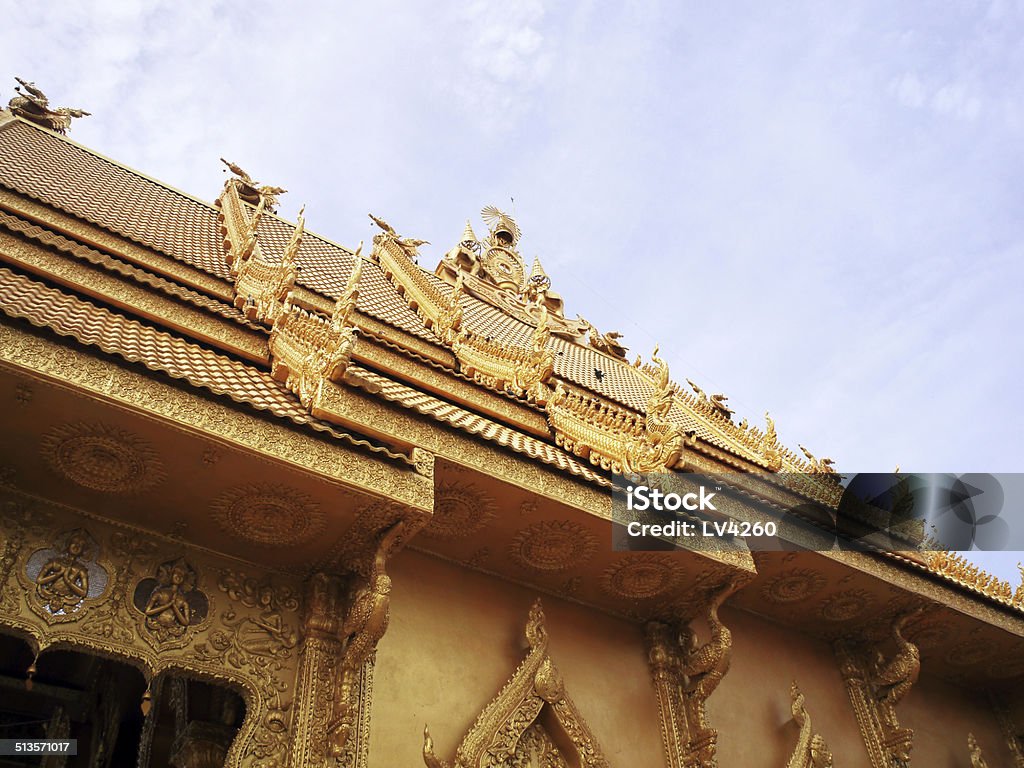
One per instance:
(33, 105)
(469, 240)
(502, 226)
(291, 251)
(538, 277)
(347, 301)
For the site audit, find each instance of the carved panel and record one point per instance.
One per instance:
(65, 576)
(102, 458)
(459, 511)
(793, 586)
(156, 610)
(269, 515)
(553, 545)
(169, 606)
(534, 696)
(875, 685)
(641, 576)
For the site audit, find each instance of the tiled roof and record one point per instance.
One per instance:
(68, 176)
(84, 252)
(59, 172)
(474, 424)
(158, 351)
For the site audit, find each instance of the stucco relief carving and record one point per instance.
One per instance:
(64, 576)
(552, 545)
(501, 734)
(811, 749)
(459, 511)
(102, 458)
(793, 585)
(846, 605)
(641, 576)
(876, 684)
(249, 646)
(268, 515)
(169, 605)
(685, 674)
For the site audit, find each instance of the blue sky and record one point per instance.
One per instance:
(814, 208)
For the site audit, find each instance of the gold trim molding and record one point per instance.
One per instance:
(65, 366)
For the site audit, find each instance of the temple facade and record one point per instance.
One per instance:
(267, 501)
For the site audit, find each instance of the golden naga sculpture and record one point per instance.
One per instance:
(811, 749)
(616, 438)
(977, 761)
(261, 286)
(396, 257)
(875, 687)
(307, 350)
(819, 466)
(660, 445)
(604, 342)
(520, 370)
(410, 245)
(685, 675)
(893, 678)
(365, 624)
(513, 729)
(33, 105)
(770, 445)
(716, 402)
(252, 191)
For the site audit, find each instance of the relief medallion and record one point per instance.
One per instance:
(268, 515)
(791, 586)
(552, 545)
(844, 606)
(459, 511)
(102, 458)
(640, 576)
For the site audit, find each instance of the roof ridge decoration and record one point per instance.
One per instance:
(616, 438)
(33, 105)
(957, 568)
(396, 256)
(308, 350)
(494, 272)
(811, 749)
(261, 286)
(523, 371)
(502, 728)
(252, 191)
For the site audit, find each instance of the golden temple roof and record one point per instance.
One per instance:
(79, 181)
(64, 176)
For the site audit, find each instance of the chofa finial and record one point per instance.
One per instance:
(33, 105)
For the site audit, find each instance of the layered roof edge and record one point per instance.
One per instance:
(505, 327)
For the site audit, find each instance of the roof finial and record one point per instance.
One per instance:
(469, 240)
(33, 105)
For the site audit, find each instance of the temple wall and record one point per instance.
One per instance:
(942, 715)
(751, 708)
(456, 636)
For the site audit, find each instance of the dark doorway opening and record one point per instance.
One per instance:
(107, 707)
